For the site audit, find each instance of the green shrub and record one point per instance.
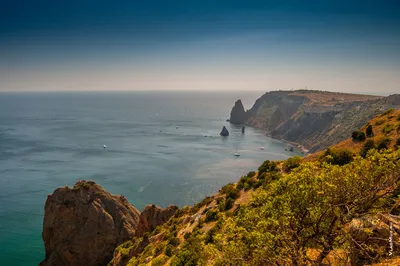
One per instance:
(291, 163)
(379, 122)
(358, 135)
(228, 187)
(369, 145)
(159, 261)
(267, 166)
(233, 194)
(383, 143)
(368, 131)
(190, 254)
(174, 241)
(337, 157)
(210, 234)
(228, 204)
(251, 174)
(169, 250)
(387, 128)
(211, 215)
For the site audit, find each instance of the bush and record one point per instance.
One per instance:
(210, 235)
(291, 163)
(398, 116)
(159, 261)
(387, 128)
(190, 254)
(369, 145)
(233, 194)
(228, 204)
(174, 241)
(383, 143)
(267, 166)
(358, 136)
(398, 142)
(169, 250)
(251, 174)
(379, 122)
(369, 131)
(187, 235)
(337, 157)
(227, 188)
(211, 215)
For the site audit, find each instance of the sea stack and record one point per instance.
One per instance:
(238, 114)
(224, 132)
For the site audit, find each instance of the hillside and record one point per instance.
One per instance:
(383, 132)
(314, 119)
(320, 210)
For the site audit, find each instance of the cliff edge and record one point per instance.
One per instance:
(83, 225)
(314, 119)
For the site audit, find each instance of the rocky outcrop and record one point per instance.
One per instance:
(224, 132)
(83, 225)
(238, 114)
(314, 119)
(153, 216)
(371, 237)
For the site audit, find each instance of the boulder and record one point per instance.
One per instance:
(371, 235)
(83, 225)
(238, 114)
(224, 132)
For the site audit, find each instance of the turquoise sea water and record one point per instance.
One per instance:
(156, 152)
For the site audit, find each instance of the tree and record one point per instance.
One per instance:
(369, 131)
(291, 163)
(311, 208)
(369, 145)
(358, 135)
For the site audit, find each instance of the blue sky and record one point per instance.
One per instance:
(200, 45)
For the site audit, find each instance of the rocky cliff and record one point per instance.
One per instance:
(314, 119)
(238, 114)
(153, 216)
(83, 225)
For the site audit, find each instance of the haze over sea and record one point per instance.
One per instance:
(156, 152)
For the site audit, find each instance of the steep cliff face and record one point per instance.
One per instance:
(315, 119)
(153, 216)
(238, 114)
(83, 225)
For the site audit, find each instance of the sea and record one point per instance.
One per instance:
(161, 148)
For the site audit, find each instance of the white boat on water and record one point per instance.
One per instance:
(104, 146)
(236, 153)
(262, 148)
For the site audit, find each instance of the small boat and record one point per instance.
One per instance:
(236, 153)
(104, 146)
(262, 148)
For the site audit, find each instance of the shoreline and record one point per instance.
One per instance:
(295, 145)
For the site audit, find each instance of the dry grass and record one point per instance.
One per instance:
(330, 98)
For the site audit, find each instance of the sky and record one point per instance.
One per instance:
(335, 45)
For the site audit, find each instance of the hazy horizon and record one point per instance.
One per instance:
(200, 46)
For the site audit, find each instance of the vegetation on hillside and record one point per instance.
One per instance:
(330, 211)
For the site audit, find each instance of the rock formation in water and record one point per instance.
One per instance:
(83, 225)
(224, 132)
(238, 114)
(153, 216)
(314, 119)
